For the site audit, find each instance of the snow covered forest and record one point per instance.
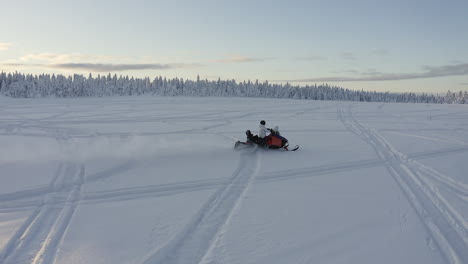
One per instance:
(45, 85)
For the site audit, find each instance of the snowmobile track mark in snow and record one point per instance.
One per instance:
(36, 241)
(444, 224)
(149, 191)
(319, 170)
(194, 243)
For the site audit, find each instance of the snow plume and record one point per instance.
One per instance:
(138, 147)
(86, 149)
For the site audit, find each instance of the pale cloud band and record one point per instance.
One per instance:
(311, 58)
(91, 63)
(5, 45)
(241, 59)
(429, 72)
(102, 67)
(348, 56)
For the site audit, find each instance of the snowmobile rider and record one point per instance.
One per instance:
(261, 134)
(262, 129)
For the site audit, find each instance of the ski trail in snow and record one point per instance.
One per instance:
(196, 241)
(37, 240)
(446, 226)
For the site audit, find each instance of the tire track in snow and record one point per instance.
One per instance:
(37, 240)
(198, 237)
(443, 223)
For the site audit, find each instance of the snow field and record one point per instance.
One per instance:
(155, 180)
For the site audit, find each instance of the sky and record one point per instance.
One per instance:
(398, 45)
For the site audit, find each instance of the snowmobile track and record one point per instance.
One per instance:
(149, 191)
(446, 227)
(27, 199)
(196, 240)
(319, 170)
(37, 240)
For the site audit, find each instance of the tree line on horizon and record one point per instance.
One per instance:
(19, 85)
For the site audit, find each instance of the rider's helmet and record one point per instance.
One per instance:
(262, 122)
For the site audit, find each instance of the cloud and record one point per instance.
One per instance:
(13, 64)
(241, 59)
(428, 72)
(91, 63)
(352, 71)
(311, 58)
(380, 52)
(5, 45)
(348, 56)
(54, 58)
(100, 67)
(447, 70)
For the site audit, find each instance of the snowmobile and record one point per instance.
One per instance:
(273, 141)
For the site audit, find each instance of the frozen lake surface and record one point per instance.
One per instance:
(156, 180)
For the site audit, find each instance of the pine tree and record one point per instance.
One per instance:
(3, 87)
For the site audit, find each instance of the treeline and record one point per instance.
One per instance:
(20, 85)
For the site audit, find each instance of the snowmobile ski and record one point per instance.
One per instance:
(294, 149)
(243, 145)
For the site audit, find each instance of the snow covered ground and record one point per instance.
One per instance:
(155, 180)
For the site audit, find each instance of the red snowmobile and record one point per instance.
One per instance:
(273, 141)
